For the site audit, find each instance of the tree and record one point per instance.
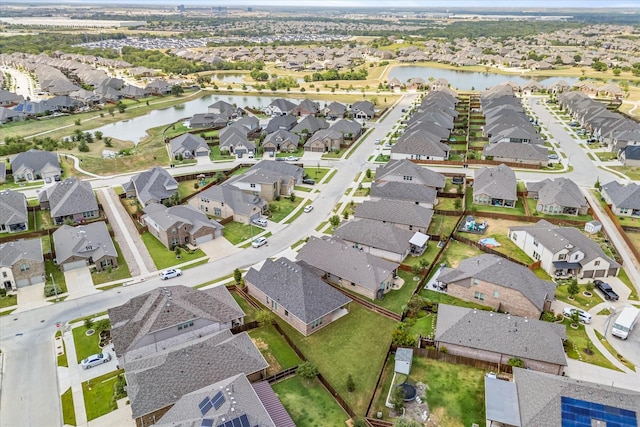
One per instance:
(237, 276)
(177, 90)
(83, 147)
(397, 399)
(334, 221)
(573, 287)
(368, 174)
(401, 337)
(101, 325)
(264, 317)
(88, 323)
(98, 135)
(108, 142)
(292, 197)
(307, 371)
(415, 304)
(218, 177)
(345, 214)
(516, 362)
(351, 385)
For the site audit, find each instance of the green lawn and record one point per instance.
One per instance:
(217, 155)
(164, 258)
(424, 326)
(456, 252)
(579, 300)
(109, 275)
(85, 345)
(274, 348)
(283, 207)
(442, 224)
(577, 348)
(394, 300)
(606, 155)
(428, 256)
(99, 395)
(355, 344)
(240, 171)
(249, 311)
(613, 352)
(633, 172)
(622, 275)
(62, 359)
(236, 232)
(8, 301)
(51, 269)
(508, 247)
(309, 403)
(68, 410)
(316, 173)
(187, 188)
(447, 204)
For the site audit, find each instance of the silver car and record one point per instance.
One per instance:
(95, 360)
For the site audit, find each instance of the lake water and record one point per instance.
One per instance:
(135, 129)
(468, 80)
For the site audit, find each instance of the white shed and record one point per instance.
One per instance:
(403, 360)
(592, 227)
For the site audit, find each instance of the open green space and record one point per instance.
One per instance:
(283, 207)
(355, 344)
(442, 224)
(236, 232)
(309, 403)
(274, 348)
(579, 347)
(86, 345)
(605, 156)
(112, 274)
(68, 410)
(163, 257)
(99, 394)
(188, 187)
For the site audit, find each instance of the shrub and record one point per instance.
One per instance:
(237, 275)
(307, 370)
(573, 287)
(351, 385)
(397, 399)
(444, 349)
(3, 292)
(88, 323)
(50, 291)
(516, 362)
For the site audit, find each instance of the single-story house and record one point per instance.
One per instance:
(295, 293)
(70, 200)
(180, 225)
(516, 152)
(189, 146)
(363, 110)
(84, 245)
(155, 185)
(624, 199)
(406, 191)
(14, 216)
(495, 187)
(406, 171)
(558, 196)
(21, 263)
(401, 213)
(35, 164)
(279, 107)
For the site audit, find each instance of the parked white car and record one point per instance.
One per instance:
(260, 241)
(308, 208)
(95, 360)
(582, 315)
(170, 273)
(260, 222)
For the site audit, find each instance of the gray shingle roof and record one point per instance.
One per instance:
(311, 124)
(149, 313)
(296, 288)
(375, 234)
(160, 380)
(185, 214)
(501, 333)
(84, 241)
(421, 143)
(499, 182)
(562, 191)
(156, 184)
(12, 252)
(623, 196)
(240, 202)
(345, 126)
(69, 197)
(502, 272)
(273, 168)
(186, 412)
(188, 141)
(13, 208)
(35, 160)
(517, 150)
(540, 396)
(398, 169)
(395, 212)
(399, 190)
(340, 259)
(280, 136)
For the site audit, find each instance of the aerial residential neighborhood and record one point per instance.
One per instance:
(251, 214)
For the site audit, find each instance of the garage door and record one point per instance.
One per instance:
(587, 274)
(22, 283)
(600, 273)
(201, 154)
(203, 239)
(73, 265)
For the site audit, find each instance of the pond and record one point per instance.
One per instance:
(135, 129)
(468, 80)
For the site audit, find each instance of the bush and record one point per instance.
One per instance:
(101, 325)
(516, 362)
(49, 290)
(3, 292)
(88, 323)
(307, 370)
(547, 316)
(351, 385)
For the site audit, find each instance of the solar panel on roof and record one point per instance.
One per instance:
(218, 400)
(228, 424)
(579, 413)
(236, 422)
(205, 405)
(244, 420)
(207, 422)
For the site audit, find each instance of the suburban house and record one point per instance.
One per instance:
(516, 152)
(233, 400)
(180, 225)
(157, 381)
(269, 179)
(223, 108)
(630, 155)
(309, 125)
(35, 164)
(306, 108)
(14, 216)
(495, 187)
(189, 146)
(153, 186)
(21, 263)
(168, 317)
(224, 201)
(497, 338)
(558, 196)
(206, 121)
(71, 200)
(383, 240)
(624, 200)
(398, 190)
(420, 145)
(281, 140)
(401, 213)
(234, 140)
(279, 107)
(280, 122)
(350, 268)
(536, 399)
(563, 251)
(407, 171)
(500, 284)
(84, 245)
(350, 129)
(324, 140)
(295, 293)
(363, 110)
(335, 110)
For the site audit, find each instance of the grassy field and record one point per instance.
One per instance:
(316, 173)
(395, 299)
(361, 339)
(236, 232)
(85, 345)
(580, 347)
(274, 348)
(309, 403)
(163, 257)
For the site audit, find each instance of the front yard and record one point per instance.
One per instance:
(85, 345)
(236, 232)
(316, 173)
(111, 274)
(101, 394)
(163, 257)
(356, 344)
(283, 207)
(579, 347)
(579, 300)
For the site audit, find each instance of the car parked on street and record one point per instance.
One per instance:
(308, 208)
(260, 241)
(606, 289)
(170, 273)
(292, 159)
(95, 360)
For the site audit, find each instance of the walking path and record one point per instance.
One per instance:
(70, 377)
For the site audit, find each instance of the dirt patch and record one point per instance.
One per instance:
(274, 366)
(439, 418)
(501, 226)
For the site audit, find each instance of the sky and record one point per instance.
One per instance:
(520, 4)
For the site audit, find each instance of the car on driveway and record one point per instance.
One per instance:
(260, 222)
(553, 157)
(260, 241)
(308, 181)
(583, 316)
(170, 273)
(606, 289)
(308, 208)
(95, 360)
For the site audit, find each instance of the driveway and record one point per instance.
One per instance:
(79, 282)
(31, 296)
(218, 248)
(629, 348)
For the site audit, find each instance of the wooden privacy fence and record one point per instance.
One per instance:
(246, 327)
(622, 232)
(461, 360)
(282, 375)
(525, 218)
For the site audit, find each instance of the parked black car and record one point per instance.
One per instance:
(607, 290)
(308, 181)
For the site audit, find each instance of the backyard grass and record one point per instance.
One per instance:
(8, 301)
(395, 299)
(240, 171)
(236, 232)
(508, 247)
(186, 188)
(99, 395)
(68, 410)
(85, 345)
(164, 258)
(456, 252)
(613, 351)
(424, 326)
(428, 256)
(442, 224)
(355, 344)
(579, 346)
(249, 311)
(274, 348)
(112, 274)
(283, 207)
(316, 173)
(579, 300)
(309, 403)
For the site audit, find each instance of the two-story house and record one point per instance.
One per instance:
(269, 179)
(226, 201)
(21, 263)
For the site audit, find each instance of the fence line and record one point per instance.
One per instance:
(621, 231)
(366, 304)
(462, 360)
(246, 327)
(279, 376)
(525, 218)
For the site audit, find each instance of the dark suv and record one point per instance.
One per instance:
(606, 289)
